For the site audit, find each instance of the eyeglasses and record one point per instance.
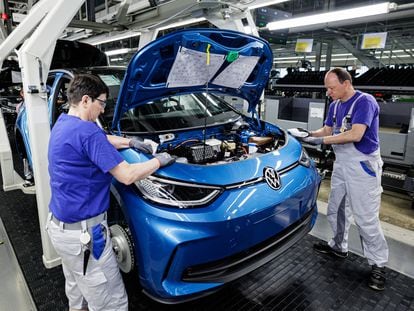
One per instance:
(101, 102)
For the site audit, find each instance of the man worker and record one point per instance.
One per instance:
(82, 162)
(352, 127)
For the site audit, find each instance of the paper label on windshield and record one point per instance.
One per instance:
(192, 68)
(236, 74)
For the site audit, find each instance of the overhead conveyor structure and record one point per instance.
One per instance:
(44, 24)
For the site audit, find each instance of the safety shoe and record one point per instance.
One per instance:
(324, 248)
(377, 278)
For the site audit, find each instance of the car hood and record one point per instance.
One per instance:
(193, 61)
(223, 174)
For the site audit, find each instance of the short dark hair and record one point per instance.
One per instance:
(86, 84)
(342, 74)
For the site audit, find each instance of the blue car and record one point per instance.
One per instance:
(241, 191)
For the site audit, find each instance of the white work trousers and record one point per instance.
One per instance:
(356, 190)
(101, 288)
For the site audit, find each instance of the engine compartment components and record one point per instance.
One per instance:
(223, 148)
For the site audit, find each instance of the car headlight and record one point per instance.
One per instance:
(175, 193)
(304, 158)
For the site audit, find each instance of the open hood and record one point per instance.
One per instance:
(193, 61)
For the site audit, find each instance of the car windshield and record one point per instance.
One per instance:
(178, 112)
(113, 79)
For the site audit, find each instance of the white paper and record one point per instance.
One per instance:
(236, 74)
(315, 112)
(190, 68)
(153, 144)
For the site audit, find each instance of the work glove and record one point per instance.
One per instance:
(139, 144)
(164, 159)
(313, 140)
(299, 132)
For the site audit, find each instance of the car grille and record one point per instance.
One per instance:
(235, 266)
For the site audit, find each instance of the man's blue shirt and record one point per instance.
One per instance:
(366, 111)
(80, 158)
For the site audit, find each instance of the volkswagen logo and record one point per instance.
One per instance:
(272, 178)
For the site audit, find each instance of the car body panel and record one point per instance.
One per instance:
(223, 174)
(234, 222)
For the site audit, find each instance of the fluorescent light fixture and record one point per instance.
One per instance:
(344, 54)
(110, 38)
(119, 51)
(388, 52)
(400, 56)
(342, 59)
(259, 4)
(183, 23)
(363, 11)
(322, 60)
(292, 57)
(310, 56)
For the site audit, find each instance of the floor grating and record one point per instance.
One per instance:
(297, 280)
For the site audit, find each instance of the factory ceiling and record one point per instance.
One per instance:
(340, 39)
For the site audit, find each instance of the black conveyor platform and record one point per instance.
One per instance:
(297, 280)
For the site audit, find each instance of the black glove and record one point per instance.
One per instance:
(313, 140)
(164, 159)
(139, 144)
(299, 132)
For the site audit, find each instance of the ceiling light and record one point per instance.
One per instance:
(261, 4)
(342, 59)
(111, 37)
(363, 11)
(183, 23)
(119, 51)
(387, 52)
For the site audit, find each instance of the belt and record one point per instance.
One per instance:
(90, 222)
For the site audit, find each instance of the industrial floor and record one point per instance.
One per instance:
(297, 280)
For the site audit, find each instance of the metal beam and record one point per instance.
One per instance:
(35, 57)
(366, 60)
(121, 15)
(37, 14)
(328, 60)
(318, 50)
(3, 33)
(163, 14)
(220, 20)
(94, 26)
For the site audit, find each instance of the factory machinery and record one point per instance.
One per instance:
(298, 100)
(10, 85)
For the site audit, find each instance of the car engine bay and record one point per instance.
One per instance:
(221, 146)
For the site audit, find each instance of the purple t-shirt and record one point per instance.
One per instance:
(80, 158)
(366, 111)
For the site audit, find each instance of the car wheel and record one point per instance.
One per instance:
(123, 247)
